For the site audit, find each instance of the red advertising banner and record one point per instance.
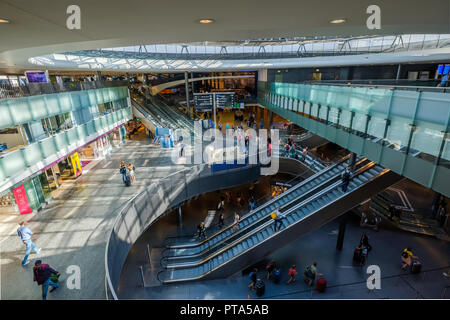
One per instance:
(22, 200)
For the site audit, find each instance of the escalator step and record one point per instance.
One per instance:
(290, 219)
(259, 236)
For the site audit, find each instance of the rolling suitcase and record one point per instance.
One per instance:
(276, 276)
(260, 287)
(321, 284)
(128, 181)
(416, 266)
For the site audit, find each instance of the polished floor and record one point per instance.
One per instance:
(73, 230)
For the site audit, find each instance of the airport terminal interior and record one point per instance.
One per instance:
(199, 157)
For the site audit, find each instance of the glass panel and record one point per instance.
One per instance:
(345, 119)
(398, 132)
(359, 122)
(376, 127)
(427, 140)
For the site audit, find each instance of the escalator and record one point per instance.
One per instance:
(226, 252)
(306, 207)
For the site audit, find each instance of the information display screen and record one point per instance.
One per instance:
(225, 100)
(203, 102)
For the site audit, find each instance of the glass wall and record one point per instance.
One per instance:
(406, 131)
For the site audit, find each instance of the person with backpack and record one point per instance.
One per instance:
(221, 205)
(45, 277)
(25, 235)
(407, 257)
(270, 268)
(346, 176)
(253, 277)
(123, 171)
(292, 273)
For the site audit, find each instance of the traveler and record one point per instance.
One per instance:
(221, 205)
(304, 153)
(201, 230)
(292, 273)
(364, 241)
(270, 268)
(123, 171)
(310, 274)
(253, 277)
(25, 235)
(227, 127)
(236, 222)
(45, 277)
(442, 214)
(131, 172)
(277, 217)
(346, 176)
(407, 257)
(252, 203)
(221, 220)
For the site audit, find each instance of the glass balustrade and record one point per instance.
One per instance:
(406, 131)
(19, 160)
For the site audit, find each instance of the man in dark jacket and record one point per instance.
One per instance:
(42, 275)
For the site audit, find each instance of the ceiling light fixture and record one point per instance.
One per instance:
(4, 20)
(206, 21)
(337, 21)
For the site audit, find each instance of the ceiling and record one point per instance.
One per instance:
(39, 27)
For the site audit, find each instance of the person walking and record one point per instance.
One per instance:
(43, 275)
(364, 241)
(131, 172)
(304, 153)
(292, 273)
(345, 176)
(310, 274)
(123, 171)
(253, 276)
(407, 257)
(270, 268)
(25, 235)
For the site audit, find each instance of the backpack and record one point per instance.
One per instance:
(405, 254)
(250, 275)
(273, 215)
(346, 175)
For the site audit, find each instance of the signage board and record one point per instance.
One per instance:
(203, 102)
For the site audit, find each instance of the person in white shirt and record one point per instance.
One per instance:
(25, 235)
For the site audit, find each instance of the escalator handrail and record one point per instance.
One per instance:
(268, 223)
(271, 201)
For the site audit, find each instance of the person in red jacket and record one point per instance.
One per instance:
(42, 274)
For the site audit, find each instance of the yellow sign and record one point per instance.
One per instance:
(76, 165)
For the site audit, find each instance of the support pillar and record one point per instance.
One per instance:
(342, 225)
(186, 82)
(99, 76)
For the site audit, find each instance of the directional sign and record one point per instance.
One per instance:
(203, 102)
(225, 100)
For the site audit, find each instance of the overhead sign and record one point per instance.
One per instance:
(203, 102)
(225, 100)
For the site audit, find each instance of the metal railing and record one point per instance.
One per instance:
(32, 89)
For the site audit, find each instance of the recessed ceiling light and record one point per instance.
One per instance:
(206, 21)
(336, 21)
(4, 20)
